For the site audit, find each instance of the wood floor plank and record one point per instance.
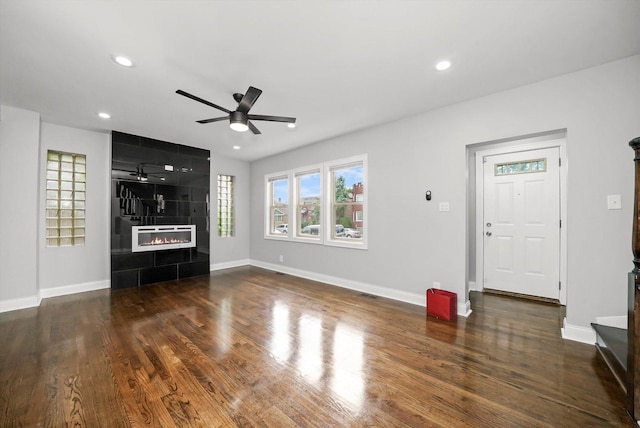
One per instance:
(248, 347)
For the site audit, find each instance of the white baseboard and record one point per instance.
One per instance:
(464, 309)
(618, 321)
(23, 303)
(75, 288)
(227, 265)
(472, 286)
(403, 296)
(577, 333)
(34, 301)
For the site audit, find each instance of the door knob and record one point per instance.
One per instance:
(488, 233)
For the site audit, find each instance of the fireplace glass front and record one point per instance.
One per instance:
(154, 238)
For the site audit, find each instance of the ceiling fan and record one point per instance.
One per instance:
(239, 119)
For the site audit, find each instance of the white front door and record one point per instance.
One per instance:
(521, 226)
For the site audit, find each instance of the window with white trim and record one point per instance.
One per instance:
(226, 220)
(307, 193)
(329, 203)
(66, 196)
(278, 205)
(348, 201)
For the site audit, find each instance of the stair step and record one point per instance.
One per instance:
(612, 345)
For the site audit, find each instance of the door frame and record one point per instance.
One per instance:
(516, 146)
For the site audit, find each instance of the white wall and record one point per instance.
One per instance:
(19, 139)
(231, 251)
(86, 267)
(412, 244)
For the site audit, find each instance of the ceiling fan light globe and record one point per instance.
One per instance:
(239, 126)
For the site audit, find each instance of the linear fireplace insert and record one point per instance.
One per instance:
(154, 238)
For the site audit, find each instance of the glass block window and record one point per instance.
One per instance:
(522, 167)
(66, 199)
(225, 205)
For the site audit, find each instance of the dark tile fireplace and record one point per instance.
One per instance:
(159, 211)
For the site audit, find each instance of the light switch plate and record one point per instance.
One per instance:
(614, 202)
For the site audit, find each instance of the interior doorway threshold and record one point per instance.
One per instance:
(522, 296)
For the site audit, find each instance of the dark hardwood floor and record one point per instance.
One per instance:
(249, 347)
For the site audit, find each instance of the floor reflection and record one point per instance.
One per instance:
(315, 349)
(310, 349)
(280, 345)
(348, 376)
(224, 326)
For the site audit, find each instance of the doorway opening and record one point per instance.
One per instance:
(516, 218)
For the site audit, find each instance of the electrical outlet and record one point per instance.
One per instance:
(436, 285)
(444, 206)
(281, 258)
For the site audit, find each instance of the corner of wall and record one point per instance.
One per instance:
(577, 333)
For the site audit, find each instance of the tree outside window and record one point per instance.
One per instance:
(348, 199)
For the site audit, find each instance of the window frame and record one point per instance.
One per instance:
(268, 234)
(324, 237)
(329, 167)
(293, 225)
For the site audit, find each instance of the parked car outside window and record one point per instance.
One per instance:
(312, 229)
(282, 228)
(351, 233)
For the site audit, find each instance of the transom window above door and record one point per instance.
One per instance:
(521, 167)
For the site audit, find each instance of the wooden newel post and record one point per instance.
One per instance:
(633, 304)
(635, 244)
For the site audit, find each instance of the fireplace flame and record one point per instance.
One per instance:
(165, 240)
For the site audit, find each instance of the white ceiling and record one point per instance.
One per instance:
(337, 66)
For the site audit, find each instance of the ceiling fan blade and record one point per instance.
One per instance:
(253, 128)
(215, 119)
(200, 100)
(272, 118)
(249, 99)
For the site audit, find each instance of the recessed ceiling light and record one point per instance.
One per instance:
(104, 115)
(443, 65)
(291, 125)
(236, 147)
(122, 60)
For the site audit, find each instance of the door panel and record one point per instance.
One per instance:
(521, 222)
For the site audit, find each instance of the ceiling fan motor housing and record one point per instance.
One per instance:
(239, 119)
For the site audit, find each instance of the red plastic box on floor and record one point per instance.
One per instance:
(442, 304)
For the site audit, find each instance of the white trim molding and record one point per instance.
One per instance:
(75, 288)
(16, 304)
(620, 321)
(464, 308)
(228, 265)
(577, 333)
